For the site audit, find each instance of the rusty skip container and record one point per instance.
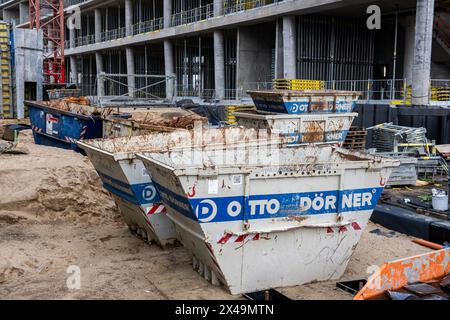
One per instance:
(304, 101)
(126, 178)
(292, 216)
(136, 121)
(307, 128)
(129, 183)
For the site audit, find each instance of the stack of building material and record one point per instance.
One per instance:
(298, 84)
(230, 110)
(402, 141)
(387, 137)
(355, 139)
(441, 93)
(6, 110)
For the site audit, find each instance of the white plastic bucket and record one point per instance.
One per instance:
(440, 202)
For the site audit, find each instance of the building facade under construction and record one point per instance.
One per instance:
(216, 50)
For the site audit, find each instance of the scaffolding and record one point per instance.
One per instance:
(53, 33)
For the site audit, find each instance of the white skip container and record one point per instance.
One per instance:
(129, 183)
(259, 219)
(306, 128)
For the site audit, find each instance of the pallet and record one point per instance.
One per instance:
(355, 139)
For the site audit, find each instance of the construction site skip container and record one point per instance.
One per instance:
(306, 128)
(126, 177)
(304, 101)
(61, 124)
(257, 215)
(133, 122)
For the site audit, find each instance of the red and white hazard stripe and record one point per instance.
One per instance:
(242, 238)
(155, 208)
(83, 132)
(70, 139)
(36, 129)
(354, 225)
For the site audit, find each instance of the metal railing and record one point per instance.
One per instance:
(68, 3)
(180, 18)
(193, 15)
(231, 6)
(85, 40)
(148, 26)
(113, 34)
(380, 90)
(229, 94)
(141, 27)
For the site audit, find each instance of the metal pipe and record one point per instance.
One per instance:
(394, 57)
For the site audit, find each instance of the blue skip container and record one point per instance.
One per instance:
(304, 101)
(55, 127)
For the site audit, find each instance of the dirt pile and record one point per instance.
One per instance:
(51, 184)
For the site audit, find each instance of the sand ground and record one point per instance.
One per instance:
(54, 214)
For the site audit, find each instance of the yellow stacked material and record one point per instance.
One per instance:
(438, 93)
(5, 70)
(230, 110)
(298, 84)
(405, 100)
(441, 93)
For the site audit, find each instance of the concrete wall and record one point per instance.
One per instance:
(254, 58)
(28, 47)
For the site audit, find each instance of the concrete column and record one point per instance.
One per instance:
(130, 70)
(422, 52)
(218, 7)
(279, 70)
(72, 38)
(219, 64)
(99, 64)
(129, 17)
(24, 14)
(98, 25)
(167, 12)
(169, 68)
(289, 43)
(408, 57)
(73, 70)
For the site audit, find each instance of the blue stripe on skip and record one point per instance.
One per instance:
(220, 209)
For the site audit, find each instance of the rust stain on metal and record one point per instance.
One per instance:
(314, 131)
(296, 218)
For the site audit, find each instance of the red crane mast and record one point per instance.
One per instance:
(48, 15)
